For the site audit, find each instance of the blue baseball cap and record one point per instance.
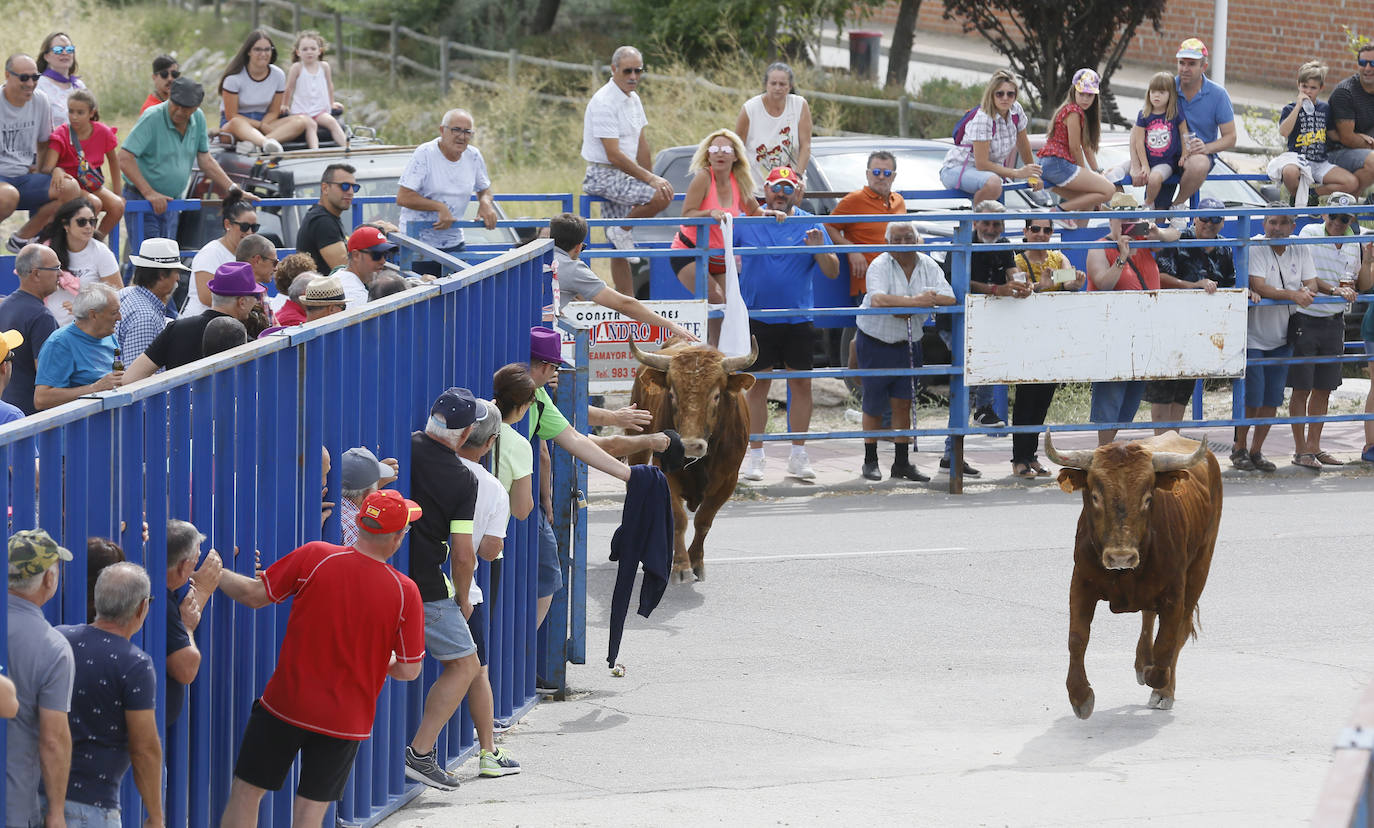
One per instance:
(457, 408)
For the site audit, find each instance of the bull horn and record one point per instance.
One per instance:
(1167, 461)
(739, 363)
(659, 361)
(1081, 459)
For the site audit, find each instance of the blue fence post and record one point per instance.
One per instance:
(577, 592)
(1244, 231)
(958, 391)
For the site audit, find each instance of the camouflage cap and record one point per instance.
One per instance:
(32, 552)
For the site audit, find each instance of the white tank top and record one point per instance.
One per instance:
(772, 142)
(311, 96)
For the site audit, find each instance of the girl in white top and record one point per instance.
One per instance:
(239, 219)
(72, 236)
(776, 126)
(992, 139)
(57, 63)
(310, 88)
(251, 91)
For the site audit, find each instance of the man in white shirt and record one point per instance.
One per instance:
(1319, 330)
(439, 180)
(1276, 272)
(619, 163)
(904, 279)
(367, 251)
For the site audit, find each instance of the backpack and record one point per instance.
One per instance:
(968, 116)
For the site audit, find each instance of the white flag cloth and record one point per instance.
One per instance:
(734, 328)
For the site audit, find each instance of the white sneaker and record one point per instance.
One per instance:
(753, 466)
(246, 148)
(620, 238)
(1179, 223)
(271, 146)
(799, 465)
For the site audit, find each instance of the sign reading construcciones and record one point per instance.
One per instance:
(1118, 335)
(611, 366)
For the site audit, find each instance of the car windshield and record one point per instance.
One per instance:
(1230, 193)
(917, 169)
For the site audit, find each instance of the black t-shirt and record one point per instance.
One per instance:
(180, 342)
(986, 266)
(177, 639)
(1193, 264)
(1349, 102)
(319, 229)
(447, 494)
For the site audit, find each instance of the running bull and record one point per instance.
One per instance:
(1145, 537)
(698, 391)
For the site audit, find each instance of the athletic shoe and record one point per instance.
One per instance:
(906, 471)
(969, 471)
(246, 148)
(427, 770)
(1179, 223)
(987, 418)
(272, 146)
(753, 469)
(620, 238)
(501, 726)
(799, 465)
(870, 470)
(14, 245)
(545, 688)
(497, 764)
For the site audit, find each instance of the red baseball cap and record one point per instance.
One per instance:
(371, 239)
(781, 174)
(385, 511)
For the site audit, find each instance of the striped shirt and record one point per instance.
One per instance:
(1332, 263)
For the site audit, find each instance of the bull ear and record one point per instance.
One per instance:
(1071, 480)
(740, 382)
(1170, 481)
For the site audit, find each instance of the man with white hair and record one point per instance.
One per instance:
(898, 279)
(79, 359)
(113, 716)
(489, 533)
(233, 292)
(439, 180)
(447, 494)
(361, 475)
(38, 739)
(619, 162)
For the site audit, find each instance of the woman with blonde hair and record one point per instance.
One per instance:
(722, 183)
(988, 143)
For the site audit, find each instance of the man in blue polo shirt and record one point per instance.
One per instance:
(79, 358)
(782, 280)
(1211, 120)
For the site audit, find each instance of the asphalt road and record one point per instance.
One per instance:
(900, 659)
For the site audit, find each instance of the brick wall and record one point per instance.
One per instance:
(1267, 40)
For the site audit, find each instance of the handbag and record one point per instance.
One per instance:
(90, 178)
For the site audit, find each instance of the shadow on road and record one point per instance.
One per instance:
(1071, 742)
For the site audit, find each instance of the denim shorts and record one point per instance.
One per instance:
(32, 187)
(1116, 402)
(1057, 172)
(1349, 158)
(447, 636)
(1264, 383)
(252, 116)
(81, 815)
(550, 571)
(967, 177)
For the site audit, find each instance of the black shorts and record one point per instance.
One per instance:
(477, 625)
(786, 345)
(1316, 336)
(270, 746)
(1169, 392)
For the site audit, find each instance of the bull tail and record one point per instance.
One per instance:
(1195, 622)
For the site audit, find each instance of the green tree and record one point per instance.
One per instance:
(695, 30)
(1046, 41)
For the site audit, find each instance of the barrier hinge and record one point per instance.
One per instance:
(1356, 738)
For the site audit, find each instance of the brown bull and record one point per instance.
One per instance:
(698, 391)
(1145, 537)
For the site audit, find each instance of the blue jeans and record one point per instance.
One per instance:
(154, 226)
(1117, 401)
(978, 397)
(81, 815)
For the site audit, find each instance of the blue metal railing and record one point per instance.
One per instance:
(233, 445)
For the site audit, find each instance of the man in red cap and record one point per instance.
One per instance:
(381, 633)
(367, 252)
(233, 292)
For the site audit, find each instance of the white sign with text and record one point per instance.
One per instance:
(611, 366)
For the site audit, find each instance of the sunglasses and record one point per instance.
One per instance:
(42, 267)
(169, 73)
(246, 227)
(347, 186)
(1212, 220)
(377, 255)
(63, 50)
(460, 131)
(1341, 219)
(633, 70)
(882, 173)
(1036, 228)
(785, 189)
(1364, 62)
(26, 78)
(1005, 93)
(83, 221)
(721, 150)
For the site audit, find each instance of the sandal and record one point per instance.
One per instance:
(1040, 471)
(1240, 459)
(1022, 470)
(1307, 461)
(1327, 460)
(1260, 463)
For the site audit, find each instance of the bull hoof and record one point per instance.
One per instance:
(1085, 709)
(1157, 677)
(700, 572)
(1159, 702)
(1140, 677)
(681, 576)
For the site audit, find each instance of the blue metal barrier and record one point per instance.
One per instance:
(232, 444)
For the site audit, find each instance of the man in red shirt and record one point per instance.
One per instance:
(380, 633)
